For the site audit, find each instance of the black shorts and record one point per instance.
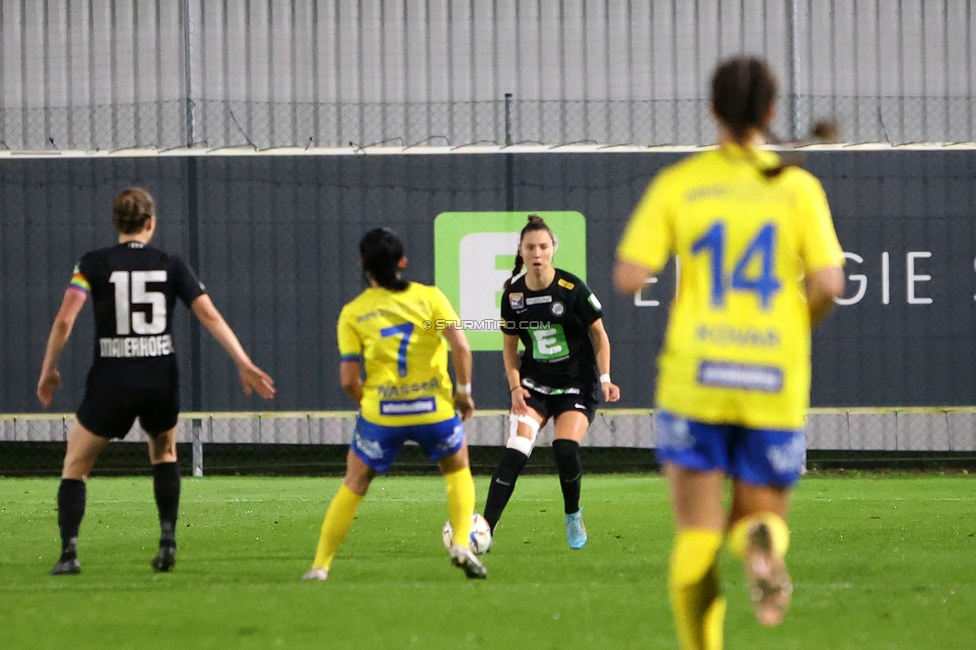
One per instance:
(581, 399)
(111, 413)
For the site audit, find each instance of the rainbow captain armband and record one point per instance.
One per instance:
(79, 281)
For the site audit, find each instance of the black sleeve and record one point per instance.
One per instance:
(508, 315)
(86, 268)
(188, 286)
(586, 306)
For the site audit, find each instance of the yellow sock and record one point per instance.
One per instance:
(778, 530)
(699, 608)
(338, 520)
(460, 504)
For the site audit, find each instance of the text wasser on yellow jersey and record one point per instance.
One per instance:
(737, 348)
(407, 380)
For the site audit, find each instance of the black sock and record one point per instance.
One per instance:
(71, 509)
(570, 472)
(503, 485)
(166, 487)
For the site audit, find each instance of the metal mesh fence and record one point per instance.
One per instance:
(618, 440)
(107, 127)
(217, 124)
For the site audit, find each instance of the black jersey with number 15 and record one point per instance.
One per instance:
(553, 325)
(134, 289)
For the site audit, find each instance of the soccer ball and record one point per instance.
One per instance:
(480, 534)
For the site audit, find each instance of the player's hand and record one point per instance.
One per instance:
(255, 379)
(50, 381)
(518, 401)
(611, 392)
(464, 404)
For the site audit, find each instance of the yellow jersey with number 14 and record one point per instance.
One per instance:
(395, 335)
(737, 348)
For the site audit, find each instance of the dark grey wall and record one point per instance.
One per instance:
(277, 250)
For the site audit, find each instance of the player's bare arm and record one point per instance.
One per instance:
(823, 286)
(510, 357)
(252, 377)
(601, 348)
(64, 322)
(463, 363)
(351, 379)
(629, 278)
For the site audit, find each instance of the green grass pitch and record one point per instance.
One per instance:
(878, 561)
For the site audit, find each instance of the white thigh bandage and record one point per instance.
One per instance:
(515, 441)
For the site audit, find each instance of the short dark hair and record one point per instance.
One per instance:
(381, 251)
(132, 208)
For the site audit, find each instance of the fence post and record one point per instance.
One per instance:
(190, 117)
(196, 425)
(508, 119)
(794, 47)
(509, 158)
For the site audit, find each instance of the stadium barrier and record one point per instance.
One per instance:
(618, 440)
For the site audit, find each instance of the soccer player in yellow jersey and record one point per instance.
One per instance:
(760, 264)
(389, 330)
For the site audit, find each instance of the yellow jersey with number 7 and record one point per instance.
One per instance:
(396, 335)
(737, 348)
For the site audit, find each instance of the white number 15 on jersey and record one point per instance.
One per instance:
(121, 280)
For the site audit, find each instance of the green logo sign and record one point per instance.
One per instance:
(474, 253)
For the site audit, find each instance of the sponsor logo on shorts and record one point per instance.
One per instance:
(788, 458)
(370, 448)
(547, 390)
(409, 407)
(767, 379)
(673, 432)
(580, 406)
(455, 439)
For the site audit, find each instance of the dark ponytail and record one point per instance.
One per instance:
(535, 223)
(743, 92)
(381, 251)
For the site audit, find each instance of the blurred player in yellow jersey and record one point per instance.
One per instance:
(760, 264)
(407, 394)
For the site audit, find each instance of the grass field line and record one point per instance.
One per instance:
(441, 499)
(153, 584)
(886, 499)
(438, 499)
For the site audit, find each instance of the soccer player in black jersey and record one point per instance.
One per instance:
(565, 363)
(134, 288)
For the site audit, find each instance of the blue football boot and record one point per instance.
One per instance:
(575, 530)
